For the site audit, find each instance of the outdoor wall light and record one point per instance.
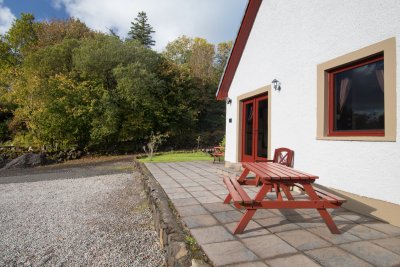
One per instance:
(276, 84)
(228, 100)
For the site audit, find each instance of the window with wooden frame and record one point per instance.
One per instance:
(356, 95)
(356, 98)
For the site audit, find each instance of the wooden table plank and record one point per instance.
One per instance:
(275, 171)
(303, 174)
(285, 173)
(263, 172)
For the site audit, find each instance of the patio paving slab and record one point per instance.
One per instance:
(303, 240)
(384, 228)
(211, 234)
(218, 207)
(332, 238)
(262, 214)
(202, 194)
(228, 216)
(372, 253)
(293, 260)
(174, 190)
(277, 224)
(205, 200)
(199, 221)
(191, 210)
(273, 237)
(248, 264)
(228, 252)
(362, 231)
(392, 244)
(184, 201)
(252, 229)
(179, 195)
(195, 188)
(355, 217)
(169, 185)
(268, 246)
(306, 221)
(335, 257)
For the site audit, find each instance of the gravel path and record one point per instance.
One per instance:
(92, 221)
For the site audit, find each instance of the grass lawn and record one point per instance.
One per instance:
(173, 157)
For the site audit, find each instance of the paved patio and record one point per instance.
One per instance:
(273, 237)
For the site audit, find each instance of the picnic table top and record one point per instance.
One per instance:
(276, 171)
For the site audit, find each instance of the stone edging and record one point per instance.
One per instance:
(173, 236)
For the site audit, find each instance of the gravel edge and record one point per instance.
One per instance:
(173, 235)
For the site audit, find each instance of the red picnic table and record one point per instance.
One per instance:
(275, 176)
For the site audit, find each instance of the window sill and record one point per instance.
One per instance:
(358, 138)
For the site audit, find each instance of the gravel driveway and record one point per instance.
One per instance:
(95, 220)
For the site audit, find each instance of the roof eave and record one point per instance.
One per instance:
(238, 47)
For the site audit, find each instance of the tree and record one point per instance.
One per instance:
(141, 30)
(198, 58)
(196, 54)
(221, 58)
(201, 60)
(22, 35)
(56, 31)
(179, 50)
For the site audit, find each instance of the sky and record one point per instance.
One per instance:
(215, 20)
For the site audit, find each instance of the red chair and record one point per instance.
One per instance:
(284, 156)
(218, 152)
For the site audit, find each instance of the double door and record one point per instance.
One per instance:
(255, 129)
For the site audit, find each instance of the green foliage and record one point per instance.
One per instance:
(223, 142)
(180, 50)
(197, 57)
(22, 35)
(52, 60)
(222, 56)
(141, 31)
(65, 86)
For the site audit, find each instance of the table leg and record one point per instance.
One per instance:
(265, 188)
(243, 175)
(287, 191)
(228, 199)
(322, 211)
(278, 192)
(244, 221)
(329, 221)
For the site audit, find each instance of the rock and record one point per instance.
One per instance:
(3, 161)
(26, 161)
(176, 252)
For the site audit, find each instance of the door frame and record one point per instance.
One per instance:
(260, 91)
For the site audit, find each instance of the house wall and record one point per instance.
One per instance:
(288, 40)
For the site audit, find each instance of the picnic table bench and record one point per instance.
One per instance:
(280, 178)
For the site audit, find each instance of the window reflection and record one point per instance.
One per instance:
(359, 97)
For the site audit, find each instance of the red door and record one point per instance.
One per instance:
(255, 129)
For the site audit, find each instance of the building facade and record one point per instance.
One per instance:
(334, 100)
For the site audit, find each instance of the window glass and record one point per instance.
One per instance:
(262, 141)
(359, 97)
(248, 141)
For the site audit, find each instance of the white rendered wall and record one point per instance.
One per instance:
(288, 40)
